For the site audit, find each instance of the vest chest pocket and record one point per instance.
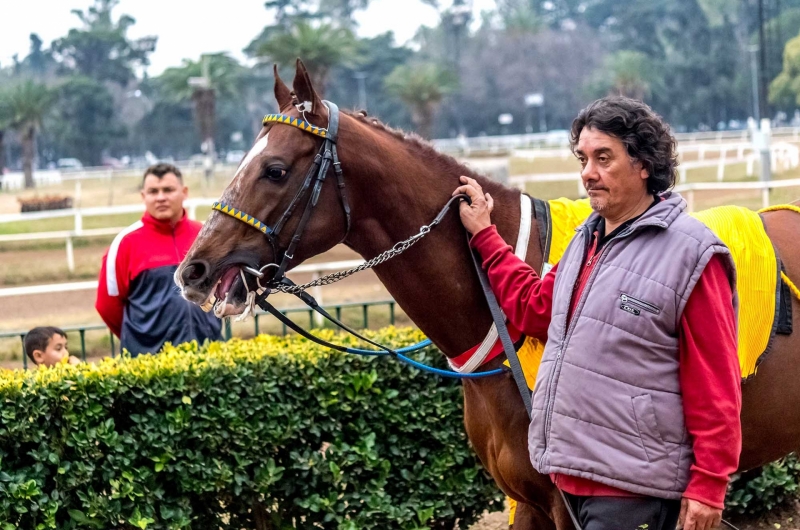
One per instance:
(644, 414)
(635, 306)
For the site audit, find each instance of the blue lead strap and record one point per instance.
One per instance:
(399, 353)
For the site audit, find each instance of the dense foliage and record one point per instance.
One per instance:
(266, 433)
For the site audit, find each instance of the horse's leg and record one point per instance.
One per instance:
(497, 426)
(529, 517)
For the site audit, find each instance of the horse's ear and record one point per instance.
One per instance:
(282, 93)
(305, 91)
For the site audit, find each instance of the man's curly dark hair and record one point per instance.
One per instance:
(643, 132)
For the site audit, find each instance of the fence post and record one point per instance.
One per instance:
(721, 166)
(765, 195)
(24, 353)
(82, 333)
(192, 211)
(78, 222)
(750, 162)
(690, 200)
(681, 174)
(317, 289)
(70, 255)
(228, 332)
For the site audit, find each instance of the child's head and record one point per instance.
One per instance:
(46, 345)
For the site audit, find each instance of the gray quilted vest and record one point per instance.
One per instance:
(607, 404)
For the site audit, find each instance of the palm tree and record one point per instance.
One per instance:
(421, 87)
(202, 82)
(626, 73)
(321, 47)
(25, 106)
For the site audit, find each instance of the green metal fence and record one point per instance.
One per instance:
(227, 328)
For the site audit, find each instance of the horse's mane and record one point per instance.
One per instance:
(418, 143)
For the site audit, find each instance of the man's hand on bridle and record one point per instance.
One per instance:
(477, 215)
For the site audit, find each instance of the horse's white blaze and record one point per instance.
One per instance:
(230, 193)
(255, 151)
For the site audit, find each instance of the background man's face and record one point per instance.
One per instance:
(163, 197)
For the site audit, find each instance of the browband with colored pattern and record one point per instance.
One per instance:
(295, 122)
(240, 215)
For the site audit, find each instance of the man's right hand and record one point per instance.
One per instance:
(477, 215)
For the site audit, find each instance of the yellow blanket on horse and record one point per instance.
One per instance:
(757, 273)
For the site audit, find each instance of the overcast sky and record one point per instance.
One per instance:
(186, 28)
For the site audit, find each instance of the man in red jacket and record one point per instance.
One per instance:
(136, 295)
(656, 333)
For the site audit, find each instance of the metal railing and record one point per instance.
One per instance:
(227, 328)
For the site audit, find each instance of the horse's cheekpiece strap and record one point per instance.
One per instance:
(240, 215)
(296, 122)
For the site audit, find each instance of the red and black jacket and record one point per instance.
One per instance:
(136, 295)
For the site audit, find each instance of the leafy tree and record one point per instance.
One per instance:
(627, 73)
(421, 87)
(101, 49)
(84, 124)
(26, 105)
(321, 47)
(785, 89)
(213, 77)
(380, 56)
(39, 62)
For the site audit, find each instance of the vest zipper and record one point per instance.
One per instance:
(641, 304)
(551, 384)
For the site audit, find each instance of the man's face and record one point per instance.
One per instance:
(614, 181)
(56, 351)
(163, 197)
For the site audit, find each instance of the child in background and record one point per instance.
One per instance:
(47, 346)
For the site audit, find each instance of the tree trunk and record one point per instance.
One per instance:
(2, 154)
(422, 116)
(28, 136)
(205, 113)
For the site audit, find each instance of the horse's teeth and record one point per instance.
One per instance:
(208, 305)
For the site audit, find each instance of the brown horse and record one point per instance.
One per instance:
(396, 184)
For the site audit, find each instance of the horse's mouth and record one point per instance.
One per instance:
(229, 294)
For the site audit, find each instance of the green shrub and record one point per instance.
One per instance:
(265, 433)
(776, 483)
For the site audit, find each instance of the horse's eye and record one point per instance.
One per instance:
(275, 173)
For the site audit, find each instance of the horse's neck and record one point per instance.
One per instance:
(434, 282)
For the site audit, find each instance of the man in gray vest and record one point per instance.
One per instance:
(637, 400)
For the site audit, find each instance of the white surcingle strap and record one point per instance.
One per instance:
(521, 251)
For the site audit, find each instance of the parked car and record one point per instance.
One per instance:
(69, 163)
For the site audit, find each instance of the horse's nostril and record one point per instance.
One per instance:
(195, 272)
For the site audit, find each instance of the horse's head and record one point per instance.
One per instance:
(273, 186)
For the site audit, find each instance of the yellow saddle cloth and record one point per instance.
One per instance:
(757, 273)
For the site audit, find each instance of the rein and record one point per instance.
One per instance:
(326, 158)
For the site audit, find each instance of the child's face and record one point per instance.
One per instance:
(55, 351)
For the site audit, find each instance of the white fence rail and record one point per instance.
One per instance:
(77, 231)
(505, 143)
(315, 269)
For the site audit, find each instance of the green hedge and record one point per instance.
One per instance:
(773, 485)
(266, 433)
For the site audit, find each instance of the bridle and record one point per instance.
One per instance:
(325, 158)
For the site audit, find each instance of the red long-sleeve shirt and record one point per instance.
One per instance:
(710, 377)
